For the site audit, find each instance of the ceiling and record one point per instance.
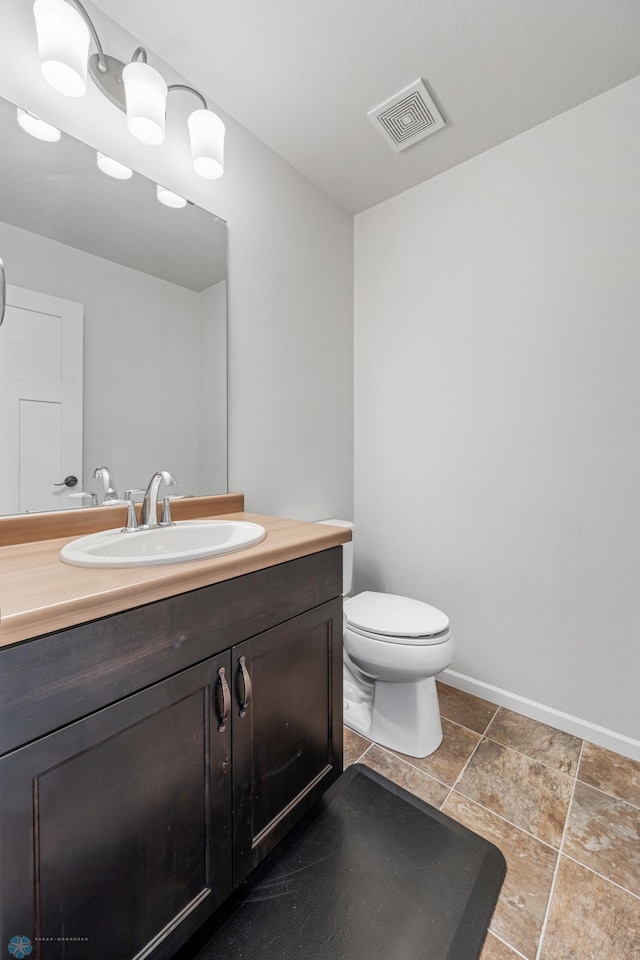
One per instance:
(57, 191)
(301, 75)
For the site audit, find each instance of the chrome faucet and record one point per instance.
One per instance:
(104, 474)
(150, 503)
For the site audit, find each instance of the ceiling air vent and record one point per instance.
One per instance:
(408, 117)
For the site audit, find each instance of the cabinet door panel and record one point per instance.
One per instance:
(116, 836)
(287, 747)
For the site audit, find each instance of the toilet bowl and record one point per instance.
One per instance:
(393, 647)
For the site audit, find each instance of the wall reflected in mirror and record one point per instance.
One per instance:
(116, 307)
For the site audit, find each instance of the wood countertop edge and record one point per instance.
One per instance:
(74, 595)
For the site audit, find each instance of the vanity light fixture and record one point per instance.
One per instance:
(65, 32)
(113, 168)
(63, 44)
(37, 127)
(146, 99)
(169, 198)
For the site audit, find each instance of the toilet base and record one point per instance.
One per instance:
(400, 716)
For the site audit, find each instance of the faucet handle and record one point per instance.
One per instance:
(166, 520)
(128, 494)
(132, 518)
(81, 496)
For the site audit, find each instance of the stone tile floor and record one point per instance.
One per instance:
(564, 812)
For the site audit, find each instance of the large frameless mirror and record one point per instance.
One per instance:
(113, 345)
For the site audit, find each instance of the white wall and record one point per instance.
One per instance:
(212, 380)
(141, 368)
(290, 282)
(497, 411)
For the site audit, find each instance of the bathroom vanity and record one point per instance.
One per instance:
(152, 753)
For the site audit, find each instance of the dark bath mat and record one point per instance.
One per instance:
(372, 873)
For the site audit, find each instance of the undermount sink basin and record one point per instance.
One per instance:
(185, 540)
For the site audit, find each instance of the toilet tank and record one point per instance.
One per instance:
(347, 555)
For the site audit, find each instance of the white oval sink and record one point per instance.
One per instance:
(185, 540)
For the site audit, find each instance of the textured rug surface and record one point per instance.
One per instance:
(373, 874)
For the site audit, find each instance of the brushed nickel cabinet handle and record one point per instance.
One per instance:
(222, 687)
(244, 686)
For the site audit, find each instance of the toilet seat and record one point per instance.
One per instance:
(389, 618)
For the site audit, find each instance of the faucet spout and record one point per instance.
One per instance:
(150, 503)
(104, 474)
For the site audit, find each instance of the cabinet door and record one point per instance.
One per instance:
(115, 831)
(287, 728)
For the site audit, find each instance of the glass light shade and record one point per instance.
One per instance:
(146, 95)
(63, 45)
(168, 198)
(36, 127)
(113, 168)
(206, 131)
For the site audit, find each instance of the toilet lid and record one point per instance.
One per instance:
(392, 616)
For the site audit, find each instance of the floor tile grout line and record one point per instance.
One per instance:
(459, 724)
(552, 891)
(612, 796)
(409, 764)
(528, 756)
(550, 766)
(494, 812)
(545, 843)
(479, 741)
(363, 754)
(507, 944)
(457, 780)
(620, 886)
(487, 736)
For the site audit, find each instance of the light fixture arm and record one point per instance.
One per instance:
(92, 30)
(139, 54)
(196, 93)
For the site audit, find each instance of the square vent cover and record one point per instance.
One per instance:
(406, 118)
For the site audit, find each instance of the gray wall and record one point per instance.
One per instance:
(497, 412)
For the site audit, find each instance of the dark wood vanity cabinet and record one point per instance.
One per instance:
(119, 826)
(125, 825)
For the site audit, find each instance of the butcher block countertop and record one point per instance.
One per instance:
(40, 594)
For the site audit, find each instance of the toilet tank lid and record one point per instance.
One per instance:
(394, 616)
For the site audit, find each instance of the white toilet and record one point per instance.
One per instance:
(393, 648)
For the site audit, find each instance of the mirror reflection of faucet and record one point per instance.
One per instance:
(110, 496)
(81, 496)
(148, 498)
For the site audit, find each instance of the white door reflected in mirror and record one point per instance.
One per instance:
(40, 401)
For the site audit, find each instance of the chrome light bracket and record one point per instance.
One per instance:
(106, 73)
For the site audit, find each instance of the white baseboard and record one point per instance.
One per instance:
(618, 742)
